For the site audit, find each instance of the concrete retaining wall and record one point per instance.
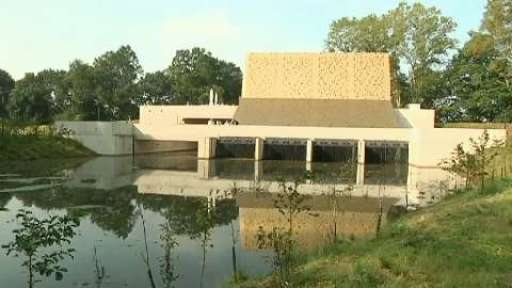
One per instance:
(104, 138)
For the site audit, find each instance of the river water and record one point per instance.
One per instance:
(124, 203)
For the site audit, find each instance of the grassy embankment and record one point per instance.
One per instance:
(463, 241)
(30, 143)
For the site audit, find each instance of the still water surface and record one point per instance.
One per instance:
(173, 193)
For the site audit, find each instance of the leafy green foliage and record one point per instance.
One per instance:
(33, 96)
(157, 88)
(480, 92)
(290, 203)
(167, 267)
(418, 37)
(36, 235)
(463, 241)
(473, 165)
(498, 23)
(479, 76)
(117, 73)
(194, 72)
(6, 86)
(367, 34)
(114, 86)
(81, 102)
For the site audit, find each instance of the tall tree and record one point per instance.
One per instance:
(82, 99)
(479, 77)
(55, 81)
(417, 37)
(230, 79)
(477, 90)
(194, 72)
(31, 100)
(498, 23)
(156, 89)
(6, 86)
(367, 34)
(424, 44)
(117, 75)
(36, 97)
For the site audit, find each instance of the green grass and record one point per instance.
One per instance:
(40, 147)
(463, 241)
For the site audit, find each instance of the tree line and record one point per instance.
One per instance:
(465, 83)
(469, 84)
(114, 85)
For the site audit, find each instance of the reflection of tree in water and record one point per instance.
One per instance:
(119, 215)
(205, 222)
(167, 267)
(146, 256)
(182, 213)
(4, 200)
(116, 211)
(192, 216)
(99, 269)
(110, 210)
(41, 167)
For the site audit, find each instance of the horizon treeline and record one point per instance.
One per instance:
(464, 82)
(114, 85)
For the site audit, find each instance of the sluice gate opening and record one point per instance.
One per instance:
(284, 149)
(386, 152)
(392, 174)
(234, 169)
(335, 151)
(334, 172)
(235, 147)
(282, 170)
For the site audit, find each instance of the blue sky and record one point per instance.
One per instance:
(36, 34)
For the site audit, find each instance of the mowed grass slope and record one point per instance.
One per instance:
(40, 147)
(463, 241)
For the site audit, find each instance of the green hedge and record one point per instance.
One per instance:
(474, 125)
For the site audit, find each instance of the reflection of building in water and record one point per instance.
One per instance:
(105, 173)
(357, 212)
(183, 175)
(355, 217)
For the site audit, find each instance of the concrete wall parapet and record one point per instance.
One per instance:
(174, 114)
(414, 117)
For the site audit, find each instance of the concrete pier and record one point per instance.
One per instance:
(206, 148)
(258, 149)
(309, 150)
(360, 174)
(361, 153)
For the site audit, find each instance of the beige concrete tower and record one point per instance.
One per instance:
(318, 89)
